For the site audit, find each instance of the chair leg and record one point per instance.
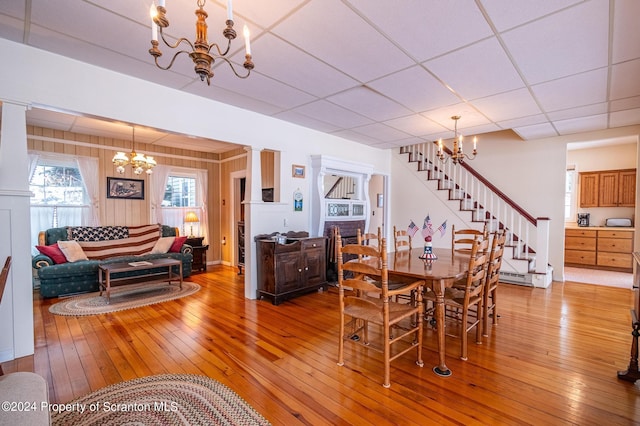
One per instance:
(479, 325)
(494, 304)
(387, 355)
(341, 342)
(463, 345)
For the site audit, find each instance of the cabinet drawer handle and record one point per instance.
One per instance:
(306, 269)
(299, 270)
(314, 244)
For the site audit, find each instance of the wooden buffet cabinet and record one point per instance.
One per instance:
(599, 248)
(291, 269)
(608, 188)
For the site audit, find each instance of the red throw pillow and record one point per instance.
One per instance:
(54, 252)
(177, 244)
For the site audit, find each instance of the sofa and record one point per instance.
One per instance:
(61, 275)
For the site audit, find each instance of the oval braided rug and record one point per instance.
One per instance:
(166, 399)
(124, 297)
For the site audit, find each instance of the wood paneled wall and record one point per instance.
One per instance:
(137, 212)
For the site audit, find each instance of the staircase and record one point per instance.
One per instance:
(479, 201)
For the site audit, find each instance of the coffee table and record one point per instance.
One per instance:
(105, 281)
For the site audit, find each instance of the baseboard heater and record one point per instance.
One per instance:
(516, 278)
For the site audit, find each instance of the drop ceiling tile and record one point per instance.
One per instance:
(299, 70)
(11, 28)
(579, 47)
(381, 132)
(469, 116)
(509, 105)
(369, 103)
(332, 114)
(536, 131)
(264, 13)
(415, 88)
(624, 80)
(585, 111)
(50, 119)
(357, 137)
(229, 97)
(573, 91)
(628, 117)
(306, 121)
(426, 28)
(628, 103)
(415, 125)
(581, 124)
(626, 34)
(521, 122)
(333, 33)
(509, 14)
(476, 71)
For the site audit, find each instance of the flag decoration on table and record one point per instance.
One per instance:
(412, 229)
(427, 227)
(442, 228)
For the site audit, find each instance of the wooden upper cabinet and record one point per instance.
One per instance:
(608, 189)
(611, 188)
(589, 189)
(627, 188)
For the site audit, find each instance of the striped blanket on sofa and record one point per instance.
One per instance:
(102, 242)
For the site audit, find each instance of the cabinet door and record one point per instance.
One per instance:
(315, 267)
(608, 189)
(589, 189)
(627, 189)
(288, 272)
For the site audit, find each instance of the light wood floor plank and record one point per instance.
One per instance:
(552, 359)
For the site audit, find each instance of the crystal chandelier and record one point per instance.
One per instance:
(201, 51)
(139, 162)
(457, 155)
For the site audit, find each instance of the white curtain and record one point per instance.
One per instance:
(88, 167)
(174, 216)
(158, 183)
(201, 196)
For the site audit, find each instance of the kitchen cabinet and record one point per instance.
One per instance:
(589, 189)
(610, 188)
(291, 269)
(601, 248)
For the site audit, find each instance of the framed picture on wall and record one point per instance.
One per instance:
(129, 189)
(297, 171)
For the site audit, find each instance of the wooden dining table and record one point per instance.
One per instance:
(438, 274)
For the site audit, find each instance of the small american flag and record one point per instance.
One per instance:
(412, 229)
(442, 228)
(427, 228)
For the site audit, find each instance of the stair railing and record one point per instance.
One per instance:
(526, 233)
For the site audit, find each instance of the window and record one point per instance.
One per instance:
(57, 185)
(570, 194)
(180, 192)
(59, 194)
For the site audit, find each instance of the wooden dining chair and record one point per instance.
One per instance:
(363, 303)
(464, 306)
(490, 295)
(369, 238)
(462, 239)
(401, 239)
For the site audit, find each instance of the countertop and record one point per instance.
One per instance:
(600, 228)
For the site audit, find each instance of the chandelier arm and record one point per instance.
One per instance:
(172, 60)
(217, 46)
(174, 46)
(234, 70)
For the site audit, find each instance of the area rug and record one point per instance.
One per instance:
(168, 399)
(125, 297)
(599, 277)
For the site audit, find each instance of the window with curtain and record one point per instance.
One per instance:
(185, 191)
(59, 195)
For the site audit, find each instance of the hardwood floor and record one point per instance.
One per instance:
(552, 359)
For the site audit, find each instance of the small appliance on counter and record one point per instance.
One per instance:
(618, 221)
(583, 219)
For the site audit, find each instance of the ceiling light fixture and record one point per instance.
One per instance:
(139, 162)
(200, 53)
(457, 155)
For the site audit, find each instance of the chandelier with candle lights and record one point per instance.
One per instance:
(139, 162)
(457, 155)
(201, 51)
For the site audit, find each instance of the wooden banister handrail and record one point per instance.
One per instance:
(496, 191)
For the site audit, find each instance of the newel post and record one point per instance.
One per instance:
(542, 244)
